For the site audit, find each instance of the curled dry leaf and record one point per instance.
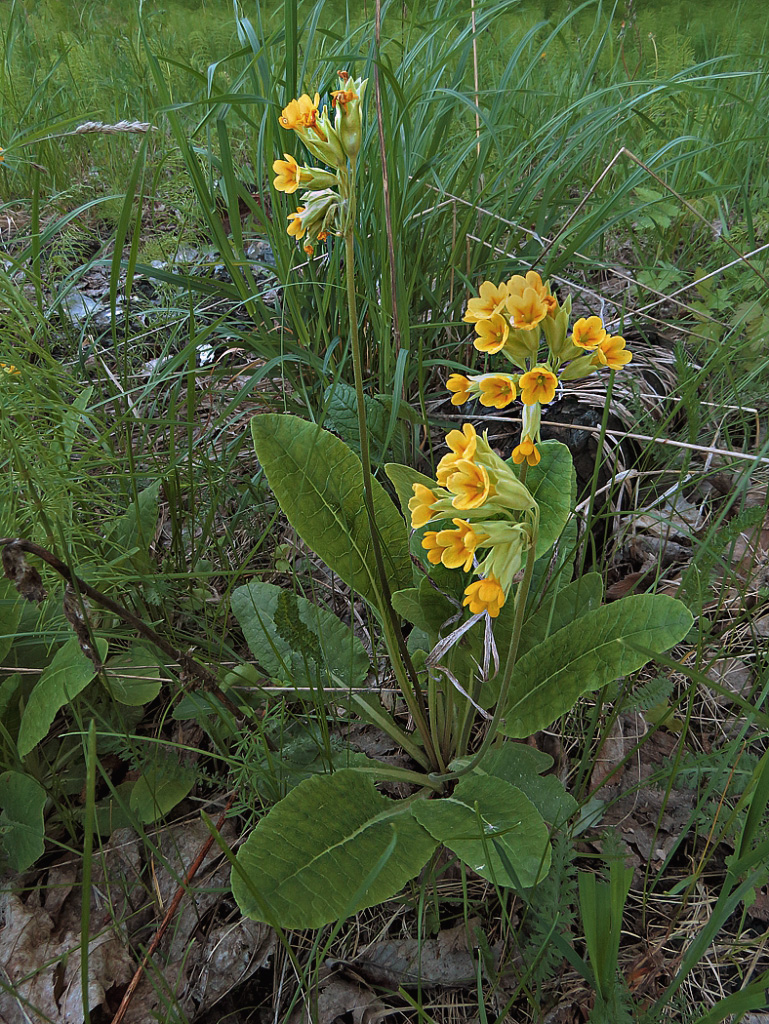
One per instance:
(24, 576)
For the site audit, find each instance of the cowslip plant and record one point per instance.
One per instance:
(487, 636)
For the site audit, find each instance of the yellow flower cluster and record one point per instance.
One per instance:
(510, 318)
(498, 514)
(336, 143)
(9, 369)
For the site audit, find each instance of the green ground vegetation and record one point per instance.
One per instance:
(153, 304)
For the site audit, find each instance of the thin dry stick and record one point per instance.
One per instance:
(386, 181)
(168, 916)
(188, 664)
(620, 435)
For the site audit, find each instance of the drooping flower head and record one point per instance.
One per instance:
(302, 113)
(420, 505)
(485, 595)
(458, 546)
(497, 390)
(588, 332)
(491, 333)
(462, 444)
(527, 452)
(460, 388)
(470, 485)
(296, 228)
(611, 352)
(538, 385)
(492, 298)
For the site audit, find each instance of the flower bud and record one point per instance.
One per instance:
(348, 122)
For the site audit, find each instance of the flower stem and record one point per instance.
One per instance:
(521, 595)
(401, 660)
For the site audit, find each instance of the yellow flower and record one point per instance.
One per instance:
(497, 390)
(288, 174)
(461, 388)
(302, 113)
(419, 506)
(458, 546)
(611, 352)
(526, 451)
(538, 385)
(485, 596)
(492, 334)
(470, 485)
(8, 367)
(527, 310)
(492, 298)
(296, 228)
(588, 332)
(462, 444)
(2, 154)
(431, 545)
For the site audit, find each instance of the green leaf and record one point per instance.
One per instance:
(553, 483)
(68, 674)
(295, 640)
(160, 789)
(510, 831)
(563, 607)
(135, 677)
(10, 616)
(22, 830)
(306, 862)
(522, 766)
(598, 648)
(428, 609)
(318, 483)
(136, 528)
(342, 416)
(559, 609)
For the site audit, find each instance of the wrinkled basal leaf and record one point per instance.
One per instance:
(318, 483)
(510, 831)
(296, 640)
(598, 648)
(522, 766)
(309, 856)
(68, 674)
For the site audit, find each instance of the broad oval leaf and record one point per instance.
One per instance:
(136, 677)
(598, 648)
(306, 862)
(295, 640)
(318, 483)
(68, 674)
(493, 827)
(160, 788)
(553, 484)
(22, 830)
(559, 609)
(522, 766)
